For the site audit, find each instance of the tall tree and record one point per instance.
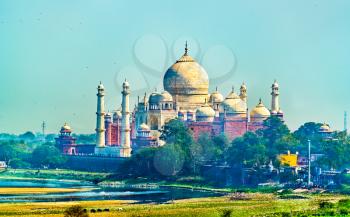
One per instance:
(176, 132)
(249, 150)
(275, 133)
(336, 151)
(210, 150)
(47, 156)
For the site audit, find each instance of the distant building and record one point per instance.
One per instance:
(3, 165)
(325, 131)
(289, 159)
(185, 97)
(66, 143)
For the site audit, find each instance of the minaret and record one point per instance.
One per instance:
(243, 92)
(100, 120)
(125, 149)
(275, 107)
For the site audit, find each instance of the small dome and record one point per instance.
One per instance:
(205, 113)
(216, 97)
(232, 95)
(325, 128)
(66, 128)
(166, 96)
(155, 98)
(144, 127)
(233, 104)
(260, 111)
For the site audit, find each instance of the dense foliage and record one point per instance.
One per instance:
(27, 150)
(183, 156)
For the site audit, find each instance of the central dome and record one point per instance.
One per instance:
(186, 78)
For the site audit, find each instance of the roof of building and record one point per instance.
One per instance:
(186, 76)
(260, 111)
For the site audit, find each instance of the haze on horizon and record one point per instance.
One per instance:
(53, 55)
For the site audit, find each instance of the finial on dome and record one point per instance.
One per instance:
(186, 49)
(260, 101)
(233, 89)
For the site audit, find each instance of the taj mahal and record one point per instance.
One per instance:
(185, 97)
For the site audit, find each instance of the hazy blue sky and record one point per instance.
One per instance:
(54, 53)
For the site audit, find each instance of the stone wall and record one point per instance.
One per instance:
(93, 163)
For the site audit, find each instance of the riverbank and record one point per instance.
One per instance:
(31, 190)
(194, 184)
(252, 205)
(51, 174)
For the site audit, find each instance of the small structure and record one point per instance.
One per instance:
(144, 138)
(65, 141)
(289, 159)
(325, 131)
(3, 165)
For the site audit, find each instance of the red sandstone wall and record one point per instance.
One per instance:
(234, 129)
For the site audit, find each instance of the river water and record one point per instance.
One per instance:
(141, 195)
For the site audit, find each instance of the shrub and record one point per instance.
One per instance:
(344, 203)
(75, 211)
(226, 213)
(343, 211)
(325, 205)
(286, 214)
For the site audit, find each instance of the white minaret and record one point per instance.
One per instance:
(275, 107)
(125, 149)
(243, 92)
(100, 120)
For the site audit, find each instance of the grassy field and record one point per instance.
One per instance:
(10, 190)
(52, 174)
(254, 205)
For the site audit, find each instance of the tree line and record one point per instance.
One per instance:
(183, 156)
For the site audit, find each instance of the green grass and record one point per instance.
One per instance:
(52, 174)
(256, 205)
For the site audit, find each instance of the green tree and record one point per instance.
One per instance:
(222, 141)
(210, 150)
(27, 136)
(196, 156)
(309, 131)
(10, 150)
(336, 151)
(140, 163)
(47, 155)
(176, 132)
(275, 133)
(247, 151)
(75, 211)
(169, 160)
